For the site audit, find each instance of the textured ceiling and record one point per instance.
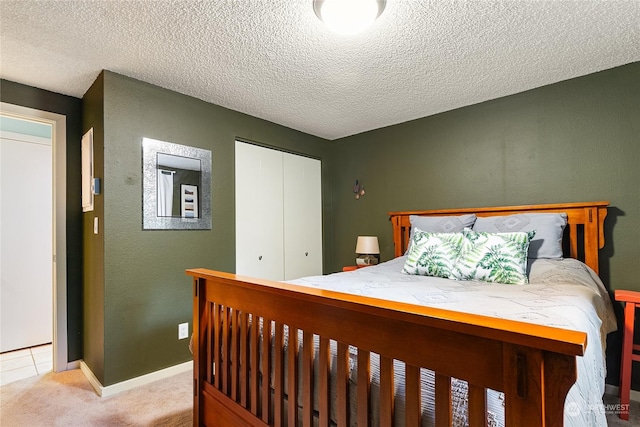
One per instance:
(275, 60)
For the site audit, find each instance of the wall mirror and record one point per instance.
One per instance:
(176, 183)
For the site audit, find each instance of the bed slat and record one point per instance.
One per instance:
(407, 236)
(226, 343)
(364, 387)
(573, 243)
(412, 395)
(324, 375)
(443, 400)
(244, 359)
(307, 379)
(292, 377)
(255, 357)
(342, 385)
(591, 239)
(477, 406)
(387, 389)
(213, 355)
(278, 378)
(266, 368)
(235, 353)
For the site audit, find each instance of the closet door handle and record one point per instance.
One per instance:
(306, 254)
(260, 258)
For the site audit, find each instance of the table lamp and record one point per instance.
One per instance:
(368, 250)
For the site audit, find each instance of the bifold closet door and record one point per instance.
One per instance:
(259, 212)
(302, 217)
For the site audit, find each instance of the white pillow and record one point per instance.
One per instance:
(433, 254)
(494, 257)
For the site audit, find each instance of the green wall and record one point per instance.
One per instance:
(26, 96)
(94, 306)
(145, 292)
(574, 141)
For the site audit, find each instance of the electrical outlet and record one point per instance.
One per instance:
(183, 331)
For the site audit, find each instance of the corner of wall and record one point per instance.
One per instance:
(93, 244)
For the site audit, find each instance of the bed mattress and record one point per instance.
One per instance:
(563, 293)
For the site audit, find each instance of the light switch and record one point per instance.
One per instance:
(95, 225)
(96, 186)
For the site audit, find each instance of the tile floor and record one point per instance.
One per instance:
(25, 363)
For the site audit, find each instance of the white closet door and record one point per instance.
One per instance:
(259, 215)
(26, 263)
(302, 217)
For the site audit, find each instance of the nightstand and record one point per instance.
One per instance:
(353, 267)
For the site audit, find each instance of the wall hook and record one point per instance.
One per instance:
(358, 189)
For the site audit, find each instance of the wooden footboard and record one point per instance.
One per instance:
(533, 365)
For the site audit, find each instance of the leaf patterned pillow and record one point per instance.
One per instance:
(494, 257)
(433, 254)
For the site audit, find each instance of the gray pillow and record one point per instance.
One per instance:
(440, 224)
(549, 228)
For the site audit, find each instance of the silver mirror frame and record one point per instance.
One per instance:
(150, 220)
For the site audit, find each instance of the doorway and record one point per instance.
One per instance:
(58, 270)
(26, 221)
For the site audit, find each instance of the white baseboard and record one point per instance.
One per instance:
(73, 365)
(613, 390)
(70, 366)
(133, 382)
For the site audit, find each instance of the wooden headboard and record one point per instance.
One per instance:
(584, 233)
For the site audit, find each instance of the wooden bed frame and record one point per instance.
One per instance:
(533, 365)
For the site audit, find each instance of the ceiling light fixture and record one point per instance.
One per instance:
(348, 16)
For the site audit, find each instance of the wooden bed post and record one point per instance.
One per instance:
(523, 385)
(593, 235)
(196, 345)
(536, 386)
(560, 373)
(397, 236)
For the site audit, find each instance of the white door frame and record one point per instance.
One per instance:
(58, 123)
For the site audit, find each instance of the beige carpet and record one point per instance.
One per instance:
(67, 399)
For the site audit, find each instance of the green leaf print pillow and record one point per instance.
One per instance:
(433, 254)
(494, 257)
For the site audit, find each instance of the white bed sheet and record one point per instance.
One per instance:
(562, 293)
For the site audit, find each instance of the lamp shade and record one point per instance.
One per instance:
(367, 245)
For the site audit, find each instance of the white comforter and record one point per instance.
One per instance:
(562, 293)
